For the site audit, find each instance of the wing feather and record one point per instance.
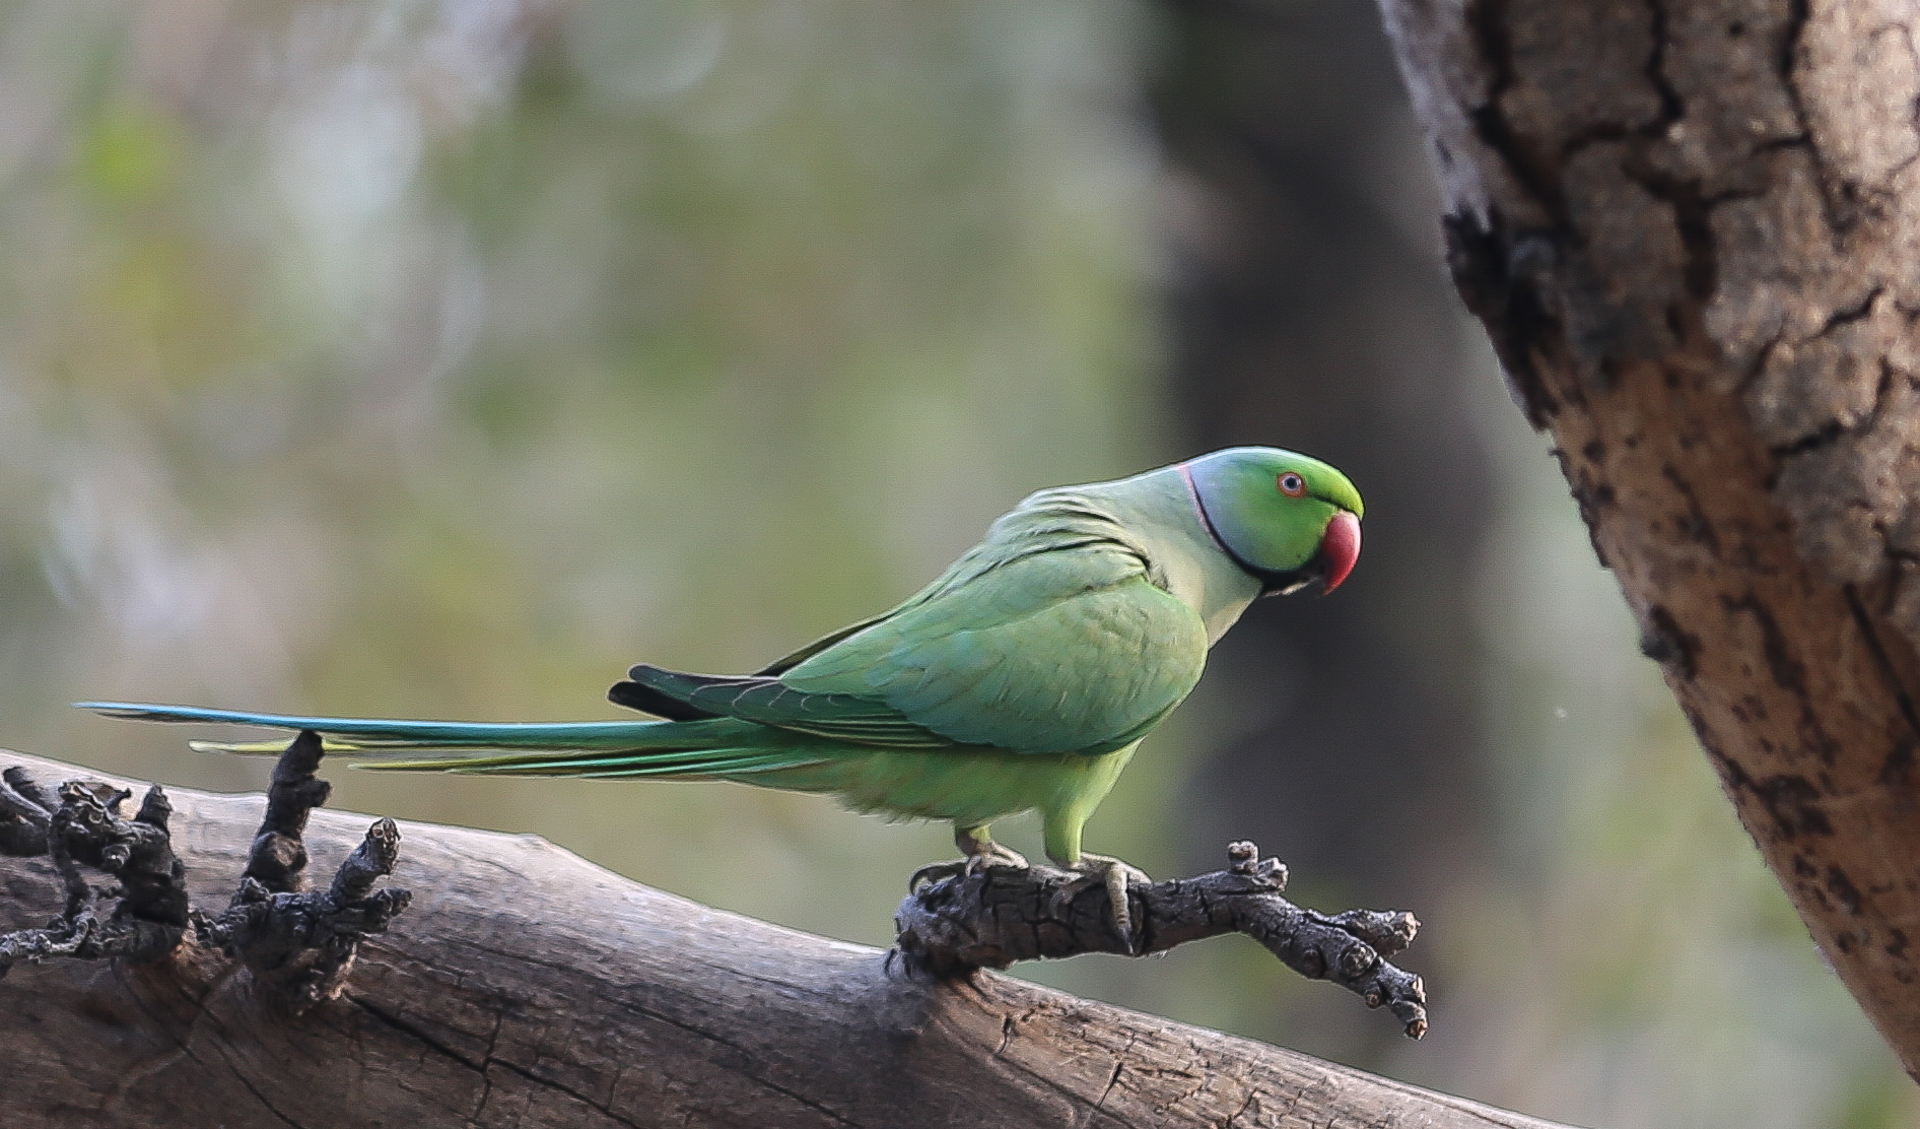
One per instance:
(1065, 646)
(1066, 651)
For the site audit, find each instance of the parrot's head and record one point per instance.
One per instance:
(1284, 517)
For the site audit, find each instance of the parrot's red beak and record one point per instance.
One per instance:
(1339, 550)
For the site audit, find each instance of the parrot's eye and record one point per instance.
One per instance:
(1291, 484)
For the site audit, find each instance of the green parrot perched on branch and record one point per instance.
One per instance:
(1023, 678)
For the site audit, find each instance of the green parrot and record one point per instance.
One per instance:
(1023, 678)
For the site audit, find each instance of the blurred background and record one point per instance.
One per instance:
(440, 358)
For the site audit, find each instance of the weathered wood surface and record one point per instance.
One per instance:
(1692, 228)
(527, 987)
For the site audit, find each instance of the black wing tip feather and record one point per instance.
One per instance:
(650, 699)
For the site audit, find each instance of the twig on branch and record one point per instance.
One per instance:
(279, 850)
(995, 916)
(86, 829)
(302, 943)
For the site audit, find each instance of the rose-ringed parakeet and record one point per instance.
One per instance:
(1023, 678)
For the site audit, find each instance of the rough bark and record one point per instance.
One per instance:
(301, 942)
(527, 987)
(996, 916)
(1690, 227)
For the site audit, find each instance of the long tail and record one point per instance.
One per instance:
(715, 747)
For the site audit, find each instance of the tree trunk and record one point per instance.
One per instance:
(527, 987)
(1691, 229)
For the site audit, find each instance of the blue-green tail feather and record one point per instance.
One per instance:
(720, 746)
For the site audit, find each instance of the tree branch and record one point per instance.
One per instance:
(530, 987)
(998, 915)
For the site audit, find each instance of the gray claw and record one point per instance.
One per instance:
(997, 856)
(936, 872)
(1116, 876)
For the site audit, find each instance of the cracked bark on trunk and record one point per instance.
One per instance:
(530, 988)
(1693, 232)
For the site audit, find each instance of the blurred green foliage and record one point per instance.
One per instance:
(441, 359)
(404, 358)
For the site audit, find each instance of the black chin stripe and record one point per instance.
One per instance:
(1272, 582)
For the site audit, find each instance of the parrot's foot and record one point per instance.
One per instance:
(993, 855)
(1116, 876)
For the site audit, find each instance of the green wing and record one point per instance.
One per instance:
(1049, 637)
(1070, 650)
